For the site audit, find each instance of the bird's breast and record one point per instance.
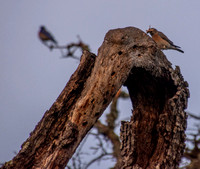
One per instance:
(43, 36)
(162, 44)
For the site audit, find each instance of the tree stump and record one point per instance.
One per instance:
(154, 138)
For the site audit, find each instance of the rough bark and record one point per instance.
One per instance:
(154, 137)
(50, 145)
(126, 55)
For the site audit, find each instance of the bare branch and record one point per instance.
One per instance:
(194, 116)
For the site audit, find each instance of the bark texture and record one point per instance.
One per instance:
(50, 145)
(154, 136)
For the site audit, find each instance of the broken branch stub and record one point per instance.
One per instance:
(155, 135)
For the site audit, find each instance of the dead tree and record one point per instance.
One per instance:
(154, 137)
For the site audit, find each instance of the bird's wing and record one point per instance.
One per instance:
(49, 36)
(163, 36)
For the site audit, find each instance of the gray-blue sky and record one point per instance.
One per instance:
(32, 77)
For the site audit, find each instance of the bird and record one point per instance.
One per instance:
(45, 36)
(162, 40)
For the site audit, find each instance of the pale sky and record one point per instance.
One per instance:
(32, 77)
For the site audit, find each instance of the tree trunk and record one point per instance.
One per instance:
(154, 137)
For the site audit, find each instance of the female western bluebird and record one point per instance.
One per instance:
(162, 40)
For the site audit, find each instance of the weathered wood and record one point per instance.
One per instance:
(55, 132)
(126, 55)
(154, 137)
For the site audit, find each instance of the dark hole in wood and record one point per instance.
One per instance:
(120, 52)
(134, 46)
(112, 73)
(53, 147)
(92, 101)
(97, 114)
(107, 92)
(149, 95)
(84, 123)
(105, 101)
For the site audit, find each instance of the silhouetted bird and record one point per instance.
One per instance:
(45, 36)
(162, 40)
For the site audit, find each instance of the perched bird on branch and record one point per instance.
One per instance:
(45, 36)
(162, 40)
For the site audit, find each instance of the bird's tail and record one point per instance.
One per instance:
(177, 48)
(55, 42)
